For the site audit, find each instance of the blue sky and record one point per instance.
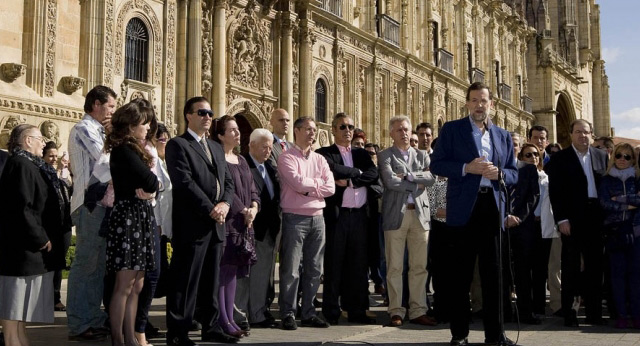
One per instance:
(620, 30)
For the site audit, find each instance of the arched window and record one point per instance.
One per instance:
(136, 50)
(321, 101)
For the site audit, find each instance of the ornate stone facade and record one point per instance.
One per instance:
(377, 58)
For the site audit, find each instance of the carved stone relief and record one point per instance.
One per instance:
(250, 51)
(207, 48)
(71, 84)
(9, 123)
(51, 132)
(12, 71)
(170, 63)
(110, 13)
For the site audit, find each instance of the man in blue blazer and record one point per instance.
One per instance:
(473, 153)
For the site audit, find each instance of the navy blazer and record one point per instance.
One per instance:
(455, 148)
(267, 220)
(193, 179)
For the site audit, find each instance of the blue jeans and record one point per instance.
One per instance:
(85, 284)
(300, 235)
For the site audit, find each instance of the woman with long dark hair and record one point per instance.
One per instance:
(130, 241)
(239, 247)
(32, 210)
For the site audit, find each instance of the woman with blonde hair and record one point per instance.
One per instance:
(619, 200)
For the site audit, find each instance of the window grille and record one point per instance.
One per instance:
(136, 51)
(321, 101)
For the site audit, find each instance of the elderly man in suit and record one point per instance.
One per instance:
(251, 293)
(574, 177)
(473, 153)
(405, 175)
(202, 194)
(345, 216)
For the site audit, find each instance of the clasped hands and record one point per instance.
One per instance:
(249, 215)
(219, 212)
(482, 167)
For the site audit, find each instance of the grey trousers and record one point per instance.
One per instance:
(251, 292)
(300, 235)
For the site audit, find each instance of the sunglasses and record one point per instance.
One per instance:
(626, 156)
(532, 153)
(205, 112)
(163, 140)
(345, 126)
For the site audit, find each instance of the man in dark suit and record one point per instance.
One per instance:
(345, 214)
(202, 193)
(473, 153)
(279, 121)
(574, 177)
(251, 293)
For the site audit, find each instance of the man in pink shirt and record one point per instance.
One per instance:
(305, 181)
(345, 281)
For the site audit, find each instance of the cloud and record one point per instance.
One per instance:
(610, 55)
(627, 123)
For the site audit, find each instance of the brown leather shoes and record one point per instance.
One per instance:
(396, 321)
(424, 320)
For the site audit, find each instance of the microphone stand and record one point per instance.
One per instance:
(502, 188)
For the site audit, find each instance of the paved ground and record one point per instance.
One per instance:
(550, 333)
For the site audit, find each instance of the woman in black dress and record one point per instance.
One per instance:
(239, 247)
(130, 242)
(31, 234)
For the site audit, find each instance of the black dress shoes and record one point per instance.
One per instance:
(459, 341)
(179, 341)
(265, 324)
(220, 337)
(289, 323)
(315, 322)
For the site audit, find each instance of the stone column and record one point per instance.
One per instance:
(91, 64)
(194, 50)
(597, 88)
(181, 63)
(219, 62)
(307, 39)
(286, 64)
(39, 44)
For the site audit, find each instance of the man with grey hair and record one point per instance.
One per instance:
(405, 175)
(251, 296)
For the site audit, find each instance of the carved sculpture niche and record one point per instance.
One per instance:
(250, 51)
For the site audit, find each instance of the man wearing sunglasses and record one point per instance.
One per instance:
(346, 282)
(574, 177)
(202, 193)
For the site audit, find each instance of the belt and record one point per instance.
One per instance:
(485, 189)
(411, 206)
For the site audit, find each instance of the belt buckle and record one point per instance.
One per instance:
(484, 189)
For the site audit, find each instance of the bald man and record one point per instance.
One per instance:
(280, 121)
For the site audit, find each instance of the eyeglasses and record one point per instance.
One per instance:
(205, 112)
(626, 156)
(40, 138)
(532, 153)
(345, 126)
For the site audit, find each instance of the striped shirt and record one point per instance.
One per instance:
(86, 142)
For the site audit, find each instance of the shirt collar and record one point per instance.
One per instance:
(195, 135)
(578, 151)
(343, 149)
(487, 123)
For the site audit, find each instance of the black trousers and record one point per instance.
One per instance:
(585, 242)
(345, 265)
(530, 261)
(57, 275)
(193, 272)
(478, 238)
(438, 266)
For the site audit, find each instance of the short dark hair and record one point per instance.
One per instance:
(607, 141)
(539, 128)
(49, 146)
(479, 86)
(100, 93)
(552, 145)
(374, 146)
(424, 125)
(358, 133)
(578, 121)
(189, 105)
(298, 123)
(433, 143)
